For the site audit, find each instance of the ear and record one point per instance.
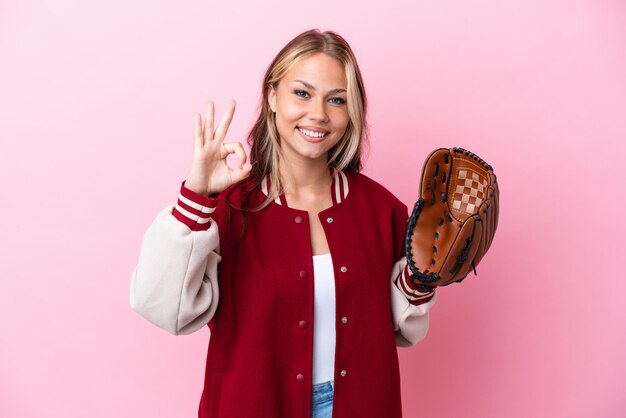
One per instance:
(271, 98)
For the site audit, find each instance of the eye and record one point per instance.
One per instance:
(301, 93)
(337, 100)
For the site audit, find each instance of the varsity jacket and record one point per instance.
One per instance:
(255, 292)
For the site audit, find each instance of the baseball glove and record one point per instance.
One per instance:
(454, 220)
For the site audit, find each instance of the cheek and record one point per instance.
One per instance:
(290, 108)
(341, 119)
(286, 117)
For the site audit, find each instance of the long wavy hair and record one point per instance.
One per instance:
(263, 138)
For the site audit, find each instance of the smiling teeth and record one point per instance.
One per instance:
(311, 133)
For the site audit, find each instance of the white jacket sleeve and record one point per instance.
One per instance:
(409, 307)
(174, 284)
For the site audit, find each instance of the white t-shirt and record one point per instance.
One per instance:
(323, 319)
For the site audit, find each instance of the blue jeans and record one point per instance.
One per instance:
(322, 401)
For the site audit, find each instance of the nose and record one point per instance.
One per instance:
(317, 110)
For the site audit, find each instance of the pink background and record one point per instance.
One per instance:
(96, 117)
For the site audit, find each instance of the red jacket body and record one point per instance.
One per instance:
(259, 362)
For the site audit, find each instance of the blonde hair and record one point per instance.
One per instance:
(263, 138)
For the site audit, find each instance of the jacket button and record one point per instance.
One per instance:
(329, 220)
(343, 373)
(344, 269)
(298, 219)
(303, 274)
(303, 324)
(300, 377)
(344, 319)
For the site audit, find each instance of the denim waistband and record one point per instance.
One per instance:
(324, 386)
(322, 397)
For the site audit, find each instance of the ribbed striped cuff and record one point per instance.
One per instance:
(409, 289)
(193, 209)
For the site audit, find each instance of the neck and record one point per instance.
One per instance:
(309, 176)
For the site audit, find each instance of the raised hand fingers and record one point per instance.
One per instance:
(197, 130)
(222, 128)
(208, 122)
(237, 148)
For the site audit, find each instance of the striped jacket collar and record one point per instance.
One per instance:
(339, 188)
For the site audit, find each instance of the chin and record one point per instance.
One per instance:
(315, 156)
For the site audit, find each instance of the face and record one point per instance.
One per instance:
(311, 108)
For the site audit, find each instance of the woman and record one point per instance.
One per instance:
(294, 259)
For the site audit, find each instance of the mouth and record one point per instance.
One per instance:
(312, 136)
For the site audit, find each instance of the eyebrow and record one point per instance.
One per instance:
(307, 85)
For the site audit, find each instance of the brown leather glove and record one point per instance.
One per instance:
(454, 220)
